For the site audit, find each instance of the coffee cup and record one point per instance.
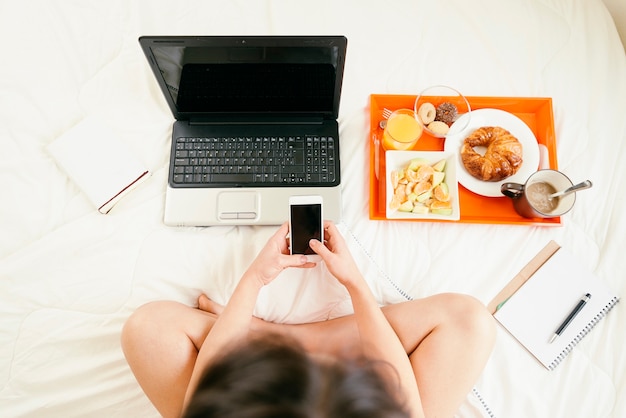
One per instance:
(532, 199)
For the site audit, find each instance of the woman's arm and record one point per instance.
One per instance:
(234, 322)
(378, 338)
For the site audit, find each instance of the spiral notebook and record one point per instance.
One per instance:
(538, 300)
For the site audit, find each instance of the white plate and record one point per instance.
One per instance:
(506, 120)
(395, 160)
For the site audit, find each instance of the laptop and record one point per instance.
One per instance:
(256, 123)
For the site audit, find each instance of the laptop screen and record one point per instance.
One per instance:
(255, 75)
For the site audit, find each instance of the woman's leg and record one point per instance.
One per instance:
(448, 350)
(161, 341)
(448, 338)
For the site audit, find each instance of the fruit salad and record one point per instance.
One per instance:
(421, 188)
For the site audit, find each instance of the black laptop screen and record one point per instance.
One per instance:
(237, 79)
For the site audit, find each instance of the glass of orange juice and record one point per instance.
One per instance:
(402, 131)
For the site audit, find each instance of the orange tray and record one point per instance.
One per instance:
(535, 112)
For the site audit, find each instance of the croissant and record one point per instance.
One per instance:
(502, 158)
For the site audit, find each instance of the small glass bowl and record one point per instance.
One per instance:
(442, 104)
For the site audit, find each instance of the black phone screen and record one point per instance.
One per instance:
(306, 223)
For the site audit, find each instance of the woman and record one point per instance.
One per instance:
(426, 353)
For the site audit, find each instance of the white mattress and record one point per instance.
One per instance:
(69, 276)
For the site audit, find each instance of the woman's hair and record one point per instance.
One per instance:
(274, 377)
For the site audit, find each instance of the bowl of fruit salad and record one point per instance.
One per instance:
(422, 185)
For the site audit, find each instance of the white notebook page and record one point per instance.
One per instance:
(537, 309)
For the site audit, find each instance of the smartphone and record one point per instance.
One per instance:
(305, 222)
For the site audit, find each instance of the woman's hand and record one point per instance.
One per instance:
(275, 257)
(336, 255)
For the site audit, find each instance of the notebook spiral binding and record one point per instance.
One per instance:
(582, 333)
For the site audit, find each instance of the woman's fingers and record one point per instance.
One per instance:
(280, 237)
(320, 248)
(296, 260)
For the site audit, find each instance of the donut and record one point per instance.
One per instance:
(502, 158)
(446, 113)
(427, 113)
(438, 127)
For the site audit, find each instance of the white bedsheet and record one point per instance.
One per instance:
(69, 276)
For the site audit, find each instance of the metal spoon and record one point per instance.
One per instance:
(580, 186)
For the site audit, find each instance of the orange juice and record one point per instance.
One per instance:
(402, 130)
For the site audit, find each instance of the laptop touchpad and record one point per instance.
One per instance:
(237, 205)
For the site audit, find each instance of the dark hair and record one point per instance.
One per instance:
(274, 377)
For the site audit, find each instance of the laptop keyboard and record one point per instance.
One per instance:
(266, 160)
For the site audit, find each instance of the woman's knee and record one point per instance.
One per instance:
(145, 322)
(471, 316)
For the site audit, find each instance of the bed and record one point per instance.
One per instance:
(70, 276)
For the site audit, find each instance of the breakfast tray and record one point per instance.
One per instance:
(535, 112)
